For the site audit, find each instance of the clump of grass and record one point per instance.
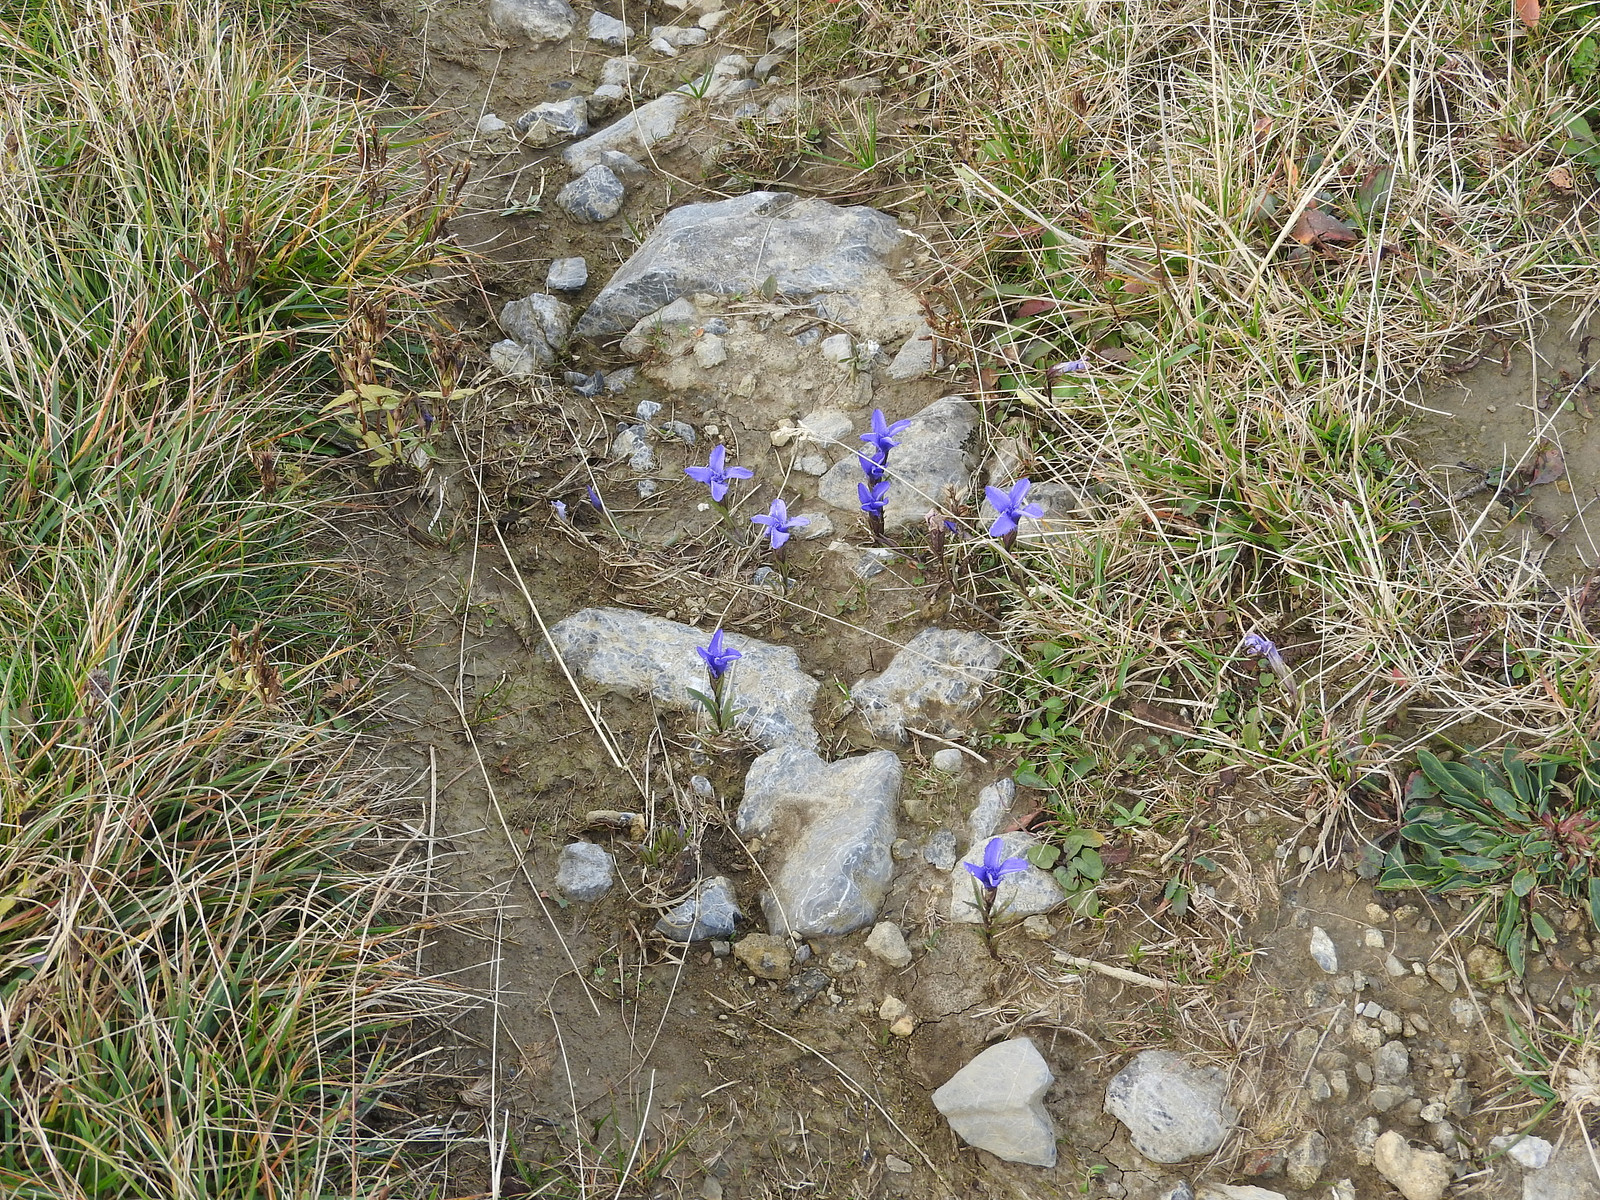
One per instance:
(199, 962)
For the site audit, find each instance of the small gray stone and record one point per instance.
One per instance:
(916, 358)
(933, 683)
(996, 1103)
(584, 872)
(489, 125)
(831, 825)
(1236, 1191)
(949, 760)
(712, 912)
(553, 121)
(928, 470)
(940, 852)
(594, 196)
(821, 525)
(630, 651)
(1173, 1110)
(633, 134)
(677, 36)
(633, 444)
(567, 275)
(888, 943)
(825, 427)
(838, 348)
(1020, 894)
(620, 71)
(606, 99)
(607, 30)
(1178, 1191)
(678, 431)
(1392, 1063)
(710, 351)
(1306, 1160)
(768, 65)
(806, 247)
(1417, 1174)
(994, 802)
(813, 464)
(1530, 1152)
(540, 322)
(537, 20)
(1444, 975)
(515, 361)
(625, 165)
(1322, 950)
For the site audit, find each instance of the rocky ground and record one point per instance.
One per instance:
(750, 960)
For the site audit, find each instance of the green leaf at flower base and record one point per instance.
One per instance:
(1030, 779)
(1176, 894)
(1523, 882)
(1089, 864)
(1044, 856)
(1542, 929)
(1517, 952)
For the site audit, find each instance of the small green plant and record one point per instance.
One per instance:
(1516, 830)
(1077, 866)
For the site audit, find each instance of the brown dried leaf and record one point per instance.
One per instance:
(1319, 230)
(1161, 718)
(1527, 11)
(1560, 178)
(1548, 466)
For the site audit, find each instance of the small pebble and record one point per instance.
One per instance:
(1322, 950)
(1373, 939)
(948, 760)
(1444, 975)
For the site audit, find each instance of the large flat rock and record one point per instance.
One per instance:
(829, 827)
(996, 1103)
(929, 469)
(933, 683)
(727, 247)
(629, 651)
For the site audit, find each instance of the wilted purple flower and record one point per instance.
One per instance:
(779, 523)
(883, 434)
(594, 499)
(873, 497)
(560, 509)
(1076, 367)
(992, 870)
(715, 475)
(1255, 643)
(717, 657)
(1011, 507)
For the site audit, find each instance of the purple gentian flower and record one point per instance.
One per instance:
(716, 476)
(1011, 506)
(717, 657)
(594, 499)
(992, 870)
(883, 434)
(560, 509)
(1254, 643)
(779, 523)
(873, 498)
(873, 465)
(1076, 367)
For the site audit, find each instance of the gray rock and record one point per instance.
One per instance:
(733, 246)
(536, 20)
(1236, 1191)
(633, 445)
(489, 125)
(675, 37)
(1417, 1174)
(831, 826)
(994, 802)
(949, 760)
(607, 30)
(516, 361)
(554, 121)
(1391, 1064)
(1570, 1175)
(567, 275)
(584, 872)
(765, 956)
(929, 469)
(1020, 894)
(594, 196)
(1323, 952)
(1532, 1153)
(934, 682)
(1178, 1191)
(630, 651)
(821, 526)
(625, 165)
(622, 70)
(539, 322)
(916, 358)
(888, 943)
(940, 852)
(1306, 1161)
(633, 134)
(712, 912)
(1173, 1110)
(606, 99)
(838, 348)
(996, 1103)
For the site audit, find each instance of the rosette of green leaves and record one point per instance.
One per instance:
(1077, 867)
(1523, 830)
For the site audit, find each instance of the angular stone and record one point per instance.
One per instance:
(765, 956)
(994, 802)
(831, 826)
(630, 651)
(996, 1103)
(805, 247)
(1307, 1159)
(1323, 952)
(916, 358)
(1020, 894)
(567, 275)
(606, 99)
(633, 134)
(607, 30)
(712, 912)
(1173, 1110)
(539, 322)
(622, 70)
(584, 872)
(1391, 1064)
(940, 852)
(1417, 1174)
(935, 681)
(1530, 1152)
(1569, 1176)
(537, 20)
(594, 196)
(888, 943)
(929, 469)
(554, 121)
(516, 361)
